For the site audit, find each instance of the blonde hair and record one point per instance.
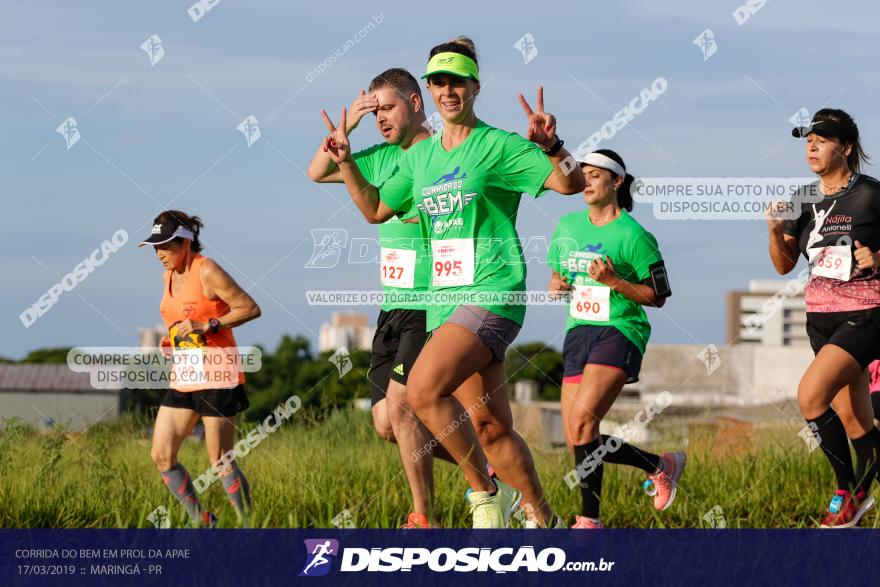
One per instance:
(463, 45)
(467, 42)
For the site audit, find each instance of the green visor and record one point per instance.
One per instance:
(453, 64)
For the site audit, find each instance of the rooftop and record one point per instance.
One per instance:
(40, 377)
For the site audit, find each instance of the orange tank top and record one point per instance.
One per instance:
(201, 361)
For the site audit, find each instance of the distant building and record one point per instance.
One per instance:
(526, 390)
(351, 331)
(45, 396)
(771, 312)
(728, 375)
(746, 381)
(151, 337)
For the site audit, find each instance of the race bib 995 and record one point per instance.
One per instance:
(453, 262)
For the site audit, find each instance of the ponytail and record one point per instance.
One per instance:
(624, 193)
(461, 45)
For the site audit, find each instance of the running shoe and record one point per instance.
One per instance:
(493, 511)
(510, 499)
(208, 520)
(492, 476)
(417, 520)
(845, 509)
(555, 522)
(585, 523)
(665, 481)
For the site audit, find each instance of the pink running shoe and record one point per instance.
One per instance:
(665, 481)
(846, 509)
(585, 523)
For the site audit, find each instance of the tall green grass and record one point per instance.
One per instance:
(304, 474)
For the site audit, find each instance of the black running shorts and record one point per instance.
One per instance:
(599, 345)
(400, 336)
(209, 402)
(856, 332)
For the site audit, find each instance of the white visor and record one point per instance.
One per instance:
(156, 237)
(603, 161)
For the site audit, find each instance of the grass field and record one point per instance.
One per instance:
(303, 476)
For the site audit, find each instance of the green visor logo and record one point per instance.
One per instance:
(453, 64)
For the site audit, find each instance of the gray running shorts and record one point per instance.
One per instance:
(494, 331)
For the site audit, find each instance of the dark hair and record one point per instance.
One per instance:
(624, 195)
(398, 79)
(193, 223)
(461, 45)
(857, 155)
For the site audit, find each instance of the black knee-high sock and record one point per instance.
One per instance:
(832, 438)
(590, 473)
(867, 458)
(630, 455)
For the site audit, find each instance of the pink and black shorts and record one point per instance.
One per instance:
(599, 345)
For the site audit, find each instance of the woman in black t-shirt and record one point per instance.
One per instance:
(835, 224)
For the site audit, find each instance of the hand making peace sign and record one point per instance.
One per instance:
(336, 143)
(542, 125)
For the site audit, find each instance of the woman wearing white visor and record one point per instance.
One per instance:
(201, 304)
(613, 268)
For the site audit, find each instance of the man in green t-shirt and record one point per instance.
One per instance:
(395, 99)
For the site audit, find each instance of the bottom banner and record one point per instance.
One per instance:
(367, 557)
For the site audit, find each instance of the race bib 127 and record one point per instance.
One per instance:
(398, 268)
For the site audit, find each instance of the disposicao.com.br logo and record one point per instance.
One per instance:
(442, 560)
(318, 553)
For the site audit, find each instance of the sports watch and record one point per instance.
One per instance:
(557, 145)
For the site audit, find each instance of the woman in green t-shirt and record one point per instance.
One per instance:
(612, 267)
(467, 182)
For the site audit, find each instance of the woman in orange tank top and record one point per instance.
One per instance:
(200, 306)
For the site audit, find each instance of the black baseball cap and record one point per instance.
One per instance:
(824, 127)
(164, 232)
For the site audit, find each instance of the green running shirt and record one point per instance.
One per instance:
(405, 258)
(467, 199)
(632, 250)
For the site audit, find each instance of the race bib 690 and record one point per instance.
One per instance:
(591, 302)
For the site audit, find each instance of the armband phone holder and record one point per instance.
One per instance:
(659, 280)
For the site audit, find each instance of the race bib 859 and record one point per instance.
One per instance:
(834, 262)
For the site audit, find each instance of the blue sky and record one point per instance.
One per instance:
(153, 135)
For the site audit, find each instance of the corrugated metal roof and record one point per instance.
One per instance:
(38, 377)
